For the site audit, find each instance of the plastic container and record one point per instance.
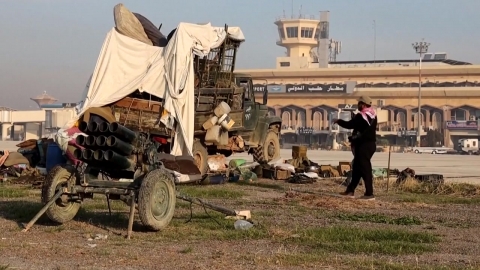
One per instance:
(242, 225)
(226, 122)
(54, 156)
(223, 138)
(213, 135)
(234, 163)
(222, 109)
(210, 123)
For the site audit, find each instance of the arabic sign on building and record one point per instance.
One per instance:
(407, 133)
(462, 125)
(276, 88)
(348, 107)
(259, 88)
(312, 88)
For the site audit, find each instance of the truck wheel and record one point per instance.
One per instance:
(62, 210)
(269, 150)
(156, 200)
(200, 155)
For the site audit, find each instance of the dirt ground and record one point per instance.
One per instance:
(297, 226)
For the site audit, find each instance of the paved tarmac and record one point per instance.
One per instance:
(457, 168)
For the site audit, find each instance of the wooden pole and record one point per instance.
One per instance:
(388, 169)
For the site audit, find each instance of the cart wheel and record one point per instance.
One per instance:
(156, 199)
(62, 210)
(200, 155)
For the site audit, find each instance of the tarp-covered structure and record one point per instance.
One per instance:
(126, 65)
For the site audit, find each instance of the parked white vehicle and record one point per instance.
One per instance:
(431, 150)
(468, 146)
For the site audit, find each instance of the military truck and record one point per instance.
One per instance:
(253, 131)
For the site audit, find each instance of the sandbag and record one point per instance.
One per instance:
(153, 33)
(28, 144)
(127, 24)
(15, 158)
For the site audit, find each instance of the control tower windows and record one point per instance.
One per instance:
(292, 32)
(306, 32)
(317, 33)
(281, 32)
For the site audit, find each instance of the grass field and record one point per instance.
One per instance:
(297, 226)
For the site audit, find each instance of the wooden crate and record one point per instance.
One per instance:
(276, 174)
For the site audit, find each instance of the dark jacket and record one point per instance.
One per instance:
(359, 125)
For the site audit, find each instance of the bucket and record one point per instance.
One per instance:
(226, 122)
(222, 109)
(54, 156)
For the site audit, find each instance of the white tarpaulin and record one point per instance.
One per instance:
(125, 65)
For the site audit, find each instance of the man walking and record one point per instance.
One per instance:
(363, 142)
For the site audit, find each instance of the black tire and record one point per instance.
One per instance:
(62, 210)
(269, 149)
(157, 199)
(200, 155)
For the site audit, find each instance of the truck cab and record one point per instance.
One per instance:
(253, 110)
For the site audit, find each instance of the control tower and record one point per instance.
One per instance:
(44, 99)
(300, 36)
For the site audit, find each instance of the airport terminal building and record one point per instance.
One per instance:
(309, 87)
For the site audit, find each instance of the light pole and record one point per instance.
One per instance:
(374, 41)
(421, 48)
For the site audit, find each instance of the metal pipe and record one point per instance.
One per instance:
(81, 140)
(87, 154)
(122, 132)
(198, 201)
(101, 141)
(104, 127)
(77, 153)
(83, 127)
(43, 210)
(93, 127)
(132, 214)
(120, 162)
(90, 141)
(98, 155)
(120, 146)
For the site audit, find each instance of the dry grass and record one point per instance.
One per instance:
(296, 227)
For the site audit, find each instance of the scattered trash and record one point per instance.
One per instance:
(101, 237)
(242, 225)
(98, 236)
(217, 163)
(92, 245)
(215, 179)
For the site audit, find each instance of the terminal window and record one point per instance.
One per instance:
(292, 32)
(306, 32)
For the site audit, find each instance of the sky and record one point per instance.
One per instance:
(53, 45)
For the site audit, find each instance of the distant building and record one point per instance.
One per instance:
(44, 99)
(309, 86)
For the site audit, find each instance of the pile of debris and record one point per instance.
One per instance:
(27, 163)
(299, 169)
